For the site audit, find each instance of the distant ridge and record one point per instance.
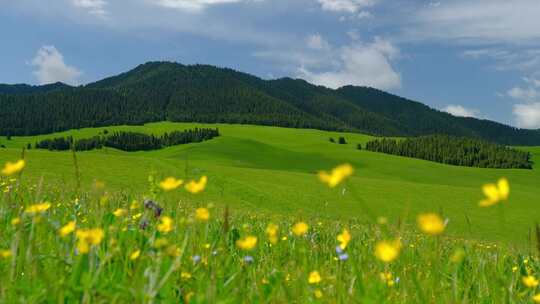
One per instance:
(158, 91)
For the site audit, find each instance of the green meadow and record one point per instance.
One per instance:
(273, 170)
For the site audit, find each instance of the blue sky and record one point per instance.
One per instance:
(471, 58)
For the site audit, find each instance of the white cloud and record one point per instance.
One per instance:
(50, 67)
(480, 21)
(458, 110)
(527, 110)
(94, 7)
(527, 115)
(348, 6)
(361, 64)
(193, 5)
(317, 42)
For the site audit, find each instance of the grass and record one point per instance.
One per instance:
(273, 170)
(259, 176)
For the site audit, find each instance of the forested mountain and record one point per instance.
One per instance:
(159, 91)
(29, 89)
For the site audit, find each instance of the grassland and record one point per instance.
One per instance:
(273, 170)
(188, 252)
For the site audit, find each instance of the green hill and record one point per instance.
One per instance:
(164, 91)
(273, 170)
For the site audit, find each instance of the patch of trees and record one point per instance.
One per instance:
(459, 151)
(129, 141)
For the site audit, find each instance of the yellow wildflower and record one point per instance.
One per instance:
(134, 205)
(344, 238)
(137, 216)
(247, 243)
(67, 229)
(16, 221)
(387, 251)
(536, 298)
(185, 275)
(13, 168)
(120, 212)
(495, 193)
(272, 233)
(202, 214)
(165, 225)
(318, 293)
(87, 238)
(431, 223)
(5, 253)
(196, 187)
(300, 228)
(170, 183)
(135, 255)
(530, 281)
(37, 208)
(314, 277)
(338, 174)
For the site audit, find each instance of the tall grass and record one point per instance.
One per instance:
(196, 258)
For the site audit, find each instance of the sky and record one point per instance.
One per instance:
(478, 58)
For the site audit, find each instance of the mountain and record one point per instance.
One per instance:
(29, 89)
(158, 91)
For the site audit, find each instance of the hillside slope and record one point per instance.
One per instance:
(158, 91)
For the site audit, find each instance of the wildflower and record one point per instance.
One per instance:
(530, 281)
(202, 214)
(135, 255)
(344, 238)
(536, 298)
(495, 193)
(134, 205)
(337, 175)
(5, 253)
(300, 228)
(431, 223)
(387, 251)
(272, 233)
(13, 168)
(137, 216)
(37, 208)
(67, 229)
(165, 225)
(196, 187)
(247, 243)
(87, 238)
(248, 259)
(120, 212)
(170, 183)
(318, 293)
(16, 221)
(314, 277)
(185, 275)
(515, 269)
(196, 259)
(343, 257)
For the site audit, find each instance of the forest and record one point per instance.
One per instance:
(458, 151)
(165, 91)
(128, 141)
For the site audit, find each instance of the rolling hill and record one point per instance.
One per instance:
(272, 170)
(164, 91)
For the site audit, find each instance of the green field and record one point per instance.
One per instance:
(273, 170)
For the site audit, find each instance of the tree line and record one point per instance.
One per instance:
(459, 151)
(129, 141)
